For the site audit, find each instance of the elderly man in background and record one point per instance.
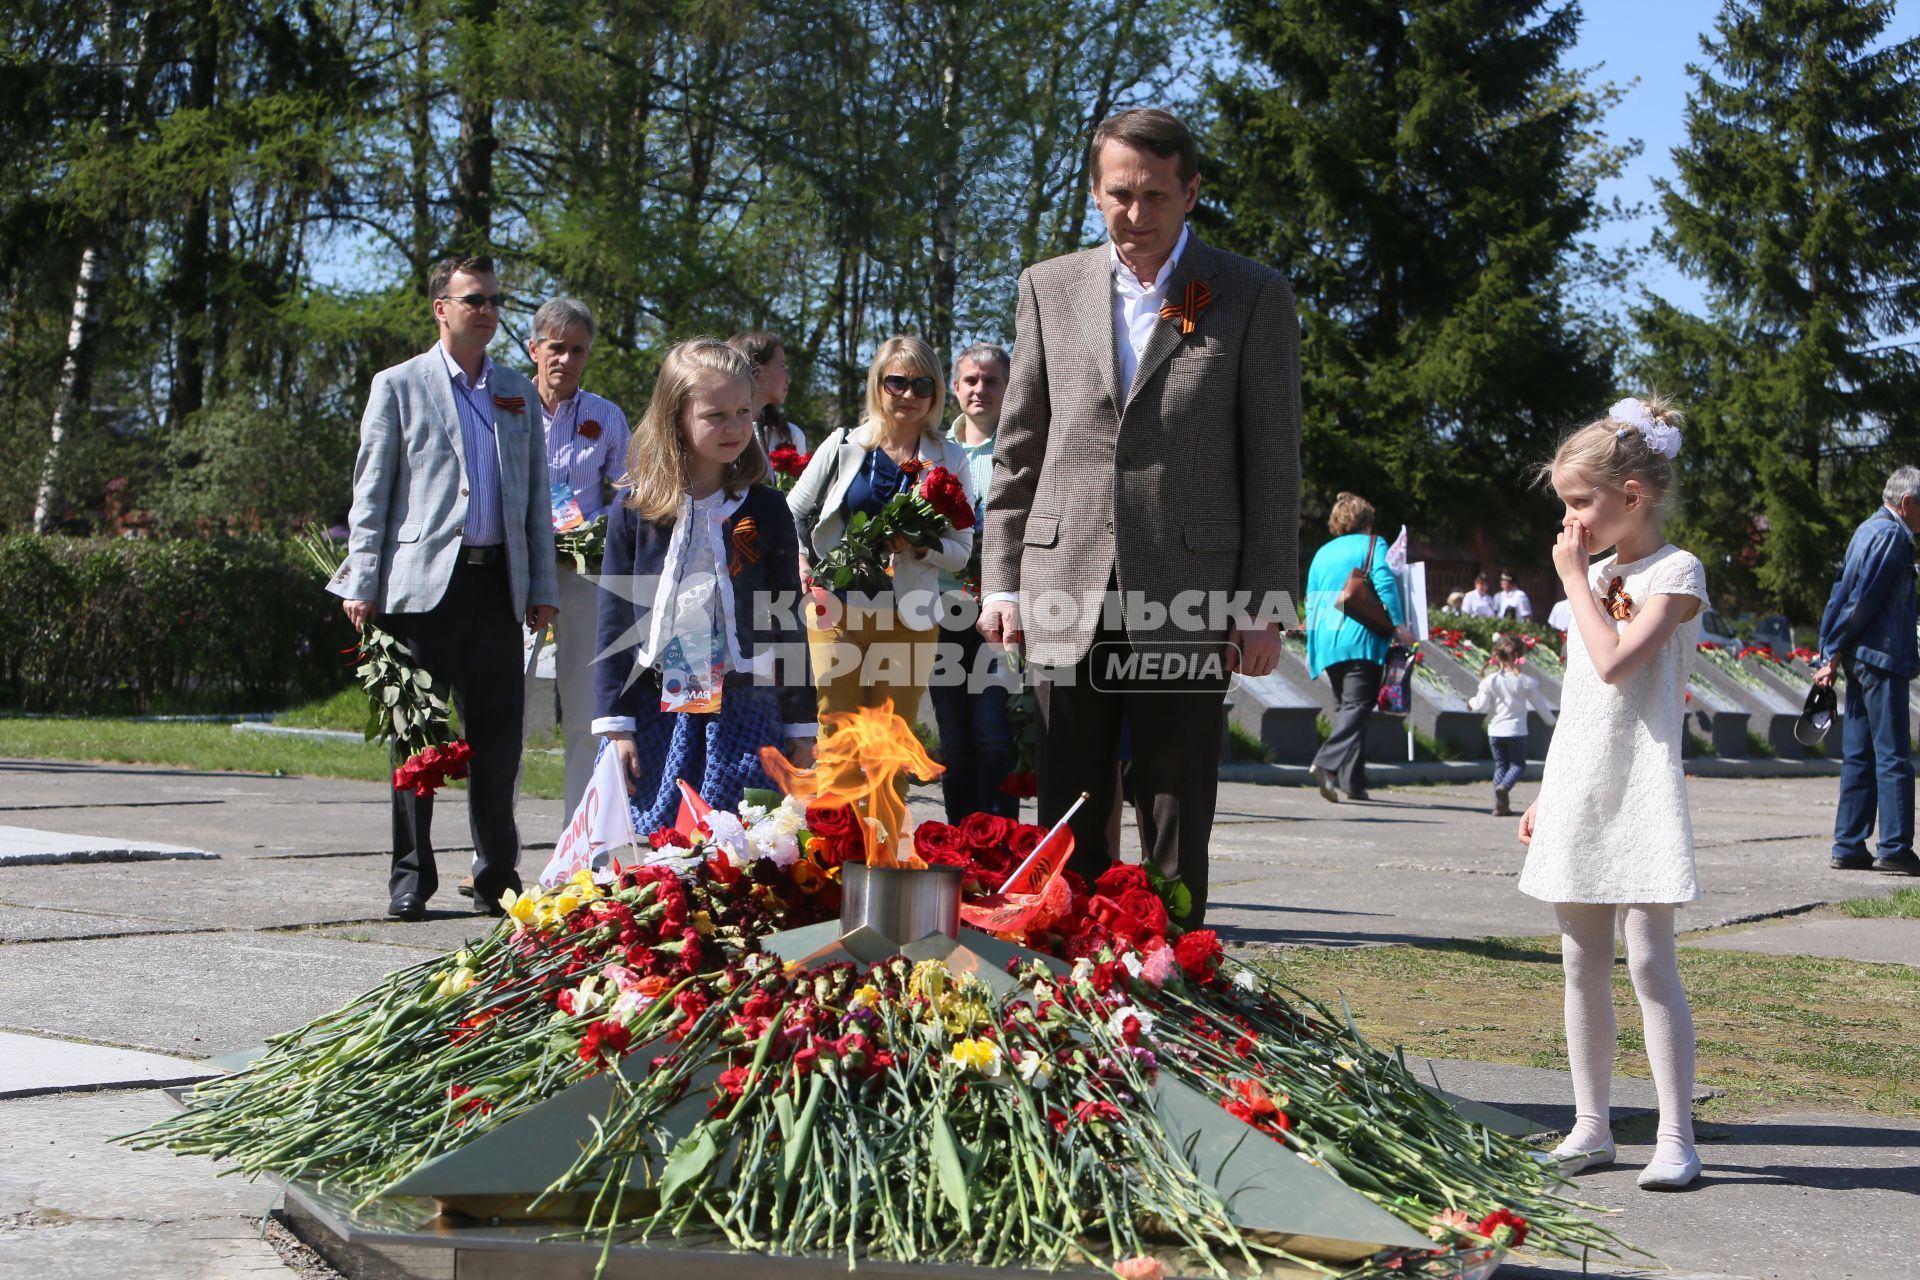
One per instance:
(970, 683)
(587, 437)
(450, 547)
(1867, 631)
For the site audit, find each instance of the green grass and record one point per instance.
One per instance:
(217, 747)
(1243, 745)
(1903, 904)
(1775, 1033)
(346, 709)
(1427, 747)
(1758, 747)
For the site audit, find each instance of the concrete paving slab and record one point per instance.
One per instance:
(1878, 941)
(1785, 1198)
(35, 1065)
(71, 1206)
(30, 846)
(36, 924)
(196, 994)
(227, 895)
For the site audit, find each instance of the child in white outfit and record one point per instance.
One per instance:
(1506, 692)
(1610, 836)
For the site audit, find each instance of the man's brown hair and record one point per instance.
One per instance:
(444, 270)
(1148, 129)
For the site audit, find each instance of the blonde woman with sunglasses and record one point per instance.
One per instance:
(868, 649)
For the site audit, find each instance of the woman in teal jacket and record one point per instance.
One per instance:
(1351, 655)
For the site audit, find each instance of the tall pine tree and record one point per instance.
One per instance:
(1799, 207)
(1422, 171)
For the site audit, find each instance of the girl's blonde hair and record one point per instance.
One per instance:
(1610, 453)
(920, 361)
(1350, 513)
(657, 457)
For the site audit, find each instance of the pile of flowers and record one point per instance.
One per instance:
(861, 560)
(897, 1109)
(1729, 664)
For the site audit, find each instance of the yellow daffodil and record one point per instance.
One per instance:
(864, 998)
(454, 982)
(521, 908)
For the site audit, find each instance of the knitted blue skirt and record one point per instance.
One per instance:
(718, 755)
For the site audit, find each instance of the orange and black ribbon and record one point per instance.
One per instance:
(1187, 310)
(746, 545)
(512, 404)
(1619, 603)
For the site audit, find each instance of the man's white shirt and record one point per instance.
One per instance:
(1136, 308)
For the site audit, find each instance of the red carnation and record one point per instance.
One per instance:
(667, 837)
(1505, 1220)
(607, 1038)
(1198, 953)
(788, 461)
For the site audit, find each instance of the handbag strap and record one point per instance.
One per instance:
(1367, 568)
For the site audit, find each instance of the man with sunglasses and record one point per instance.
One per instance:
(450, 549)
(1149, 456)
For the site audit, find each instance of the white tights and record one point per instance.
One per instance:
(1586, 952)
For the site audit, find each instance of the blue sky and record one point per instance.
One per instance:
(1654, 40)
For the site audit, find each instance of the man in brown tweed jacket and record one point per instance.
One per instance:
(1144, 517)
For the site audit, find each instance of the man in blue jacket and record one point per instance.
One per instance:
(1868, 631)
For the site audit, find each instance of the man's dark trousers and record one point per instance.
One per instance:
(1174, 731)
(470, 643)
(1876, 769)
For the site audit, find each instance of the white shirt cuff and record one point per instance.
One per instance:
(615, 724)
(801, 730)
(1001, 597)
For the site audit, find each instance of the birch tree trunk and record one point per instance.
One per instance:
(76, 378)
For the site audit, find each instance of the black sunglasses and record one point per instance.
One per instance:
(900, 384)
(475, 301)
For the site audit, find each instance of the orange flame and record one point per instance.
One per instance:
(860, 754)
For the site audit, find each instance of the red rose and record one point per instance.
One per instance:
(590, 429)
(788, 461)
(941, 845)
(987, 832)
(832, 823)
(944, 493)
(1025, 839)
(1142, 914)
(1120, 877)
(1198, 953)
(1021, 786)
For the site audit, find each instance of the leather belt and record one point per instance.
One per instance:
(479, 555)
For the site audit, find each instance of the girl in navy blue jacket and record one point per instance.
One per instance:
(703, 660)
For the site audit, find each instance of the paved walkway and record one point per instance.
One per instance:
(188, 959)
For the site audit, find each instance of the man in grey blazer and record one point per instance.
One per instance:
(450, 546)
(1144, 517)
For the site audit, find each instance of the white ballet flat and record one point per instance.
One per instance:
(1569, 1162)
(1668, 1176)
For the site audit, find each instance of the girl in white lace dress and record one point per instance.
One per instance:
(1609, 837)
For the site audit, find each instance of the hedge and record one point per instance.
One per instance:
(130, 626)
(1482, 630)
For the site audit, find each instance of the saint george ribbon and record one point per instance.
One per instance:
(1187, 310)
(746, 544)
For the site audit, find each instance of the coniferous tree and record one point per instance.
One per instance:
(1798, 205)
(1422, 171)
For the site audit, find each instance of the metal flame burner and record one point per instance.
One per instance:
(901, 904)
